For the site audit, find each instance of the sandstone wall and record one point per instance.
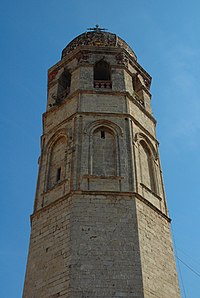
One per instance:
(157, 255)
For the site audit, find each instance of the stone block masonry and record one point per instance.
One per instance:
(100, 226)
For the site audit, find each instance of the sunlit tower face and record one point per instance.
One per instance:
(100, 225)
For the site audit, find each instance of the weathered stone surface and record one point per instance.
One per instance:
(100, 225)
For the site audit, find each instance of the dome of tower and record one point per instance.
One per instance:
(98, 38)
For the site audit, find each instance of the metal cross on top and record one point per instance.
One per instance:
(97, 29)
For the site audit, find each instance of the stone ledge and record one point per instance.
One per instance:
(102, 193)
(103, 177)
(59, 183)
(149, 190)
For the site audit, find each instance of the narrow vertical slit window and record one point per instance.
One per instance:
(58, 175)
(102, 134)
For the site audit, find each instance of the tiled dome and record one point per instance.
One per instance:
(98, 38)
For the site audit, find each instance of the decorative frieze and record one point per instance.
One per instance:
(122, 59)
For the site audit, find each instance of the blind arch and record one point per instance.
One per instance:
(104, 157)
(57, 161)
(147, 166)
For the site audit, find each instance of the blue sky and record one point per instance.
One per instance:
(165, 36)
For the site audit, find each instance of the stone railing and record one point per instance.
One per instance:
(102, 84)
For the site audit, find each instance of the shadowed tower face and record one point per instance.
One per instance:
(100, 225)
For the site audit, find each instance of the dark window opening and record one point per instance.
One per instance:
(102, 75)
(102, 134)
(138, 88)
(58, 175)
(102, 71)
(137, 83)
(64, 84)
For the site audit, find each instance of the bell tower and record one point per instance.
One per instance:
(100, 225)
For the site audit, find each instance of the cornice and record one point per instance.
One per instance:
(106, 92)
(131, 195)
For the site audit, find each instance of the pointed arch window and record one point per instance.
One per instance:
(104, 160)
(64, 83)
(138, 88)
(56, 171)
(102, 75)
(137, 84)
(147, 167)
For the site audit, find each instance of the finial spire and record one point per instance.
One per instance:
(97, 29)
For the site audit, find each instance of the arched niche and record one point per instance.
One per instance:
(56, 162)
(147, 166)
(106, 123)
(141, 136)
(104, 155)
(107, 133)
(137, 83)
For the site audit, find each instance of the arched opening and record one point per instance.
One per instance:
(57, 162)
(137, 84)
(64, 83)
(104, 160)
(102, 75)
(147, 167)
(102, 71)
(138, 89)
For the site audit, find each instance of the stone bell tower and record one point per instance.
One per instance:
(100, 225)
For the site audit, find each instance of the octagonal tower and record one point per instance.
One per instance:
(100, 225)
